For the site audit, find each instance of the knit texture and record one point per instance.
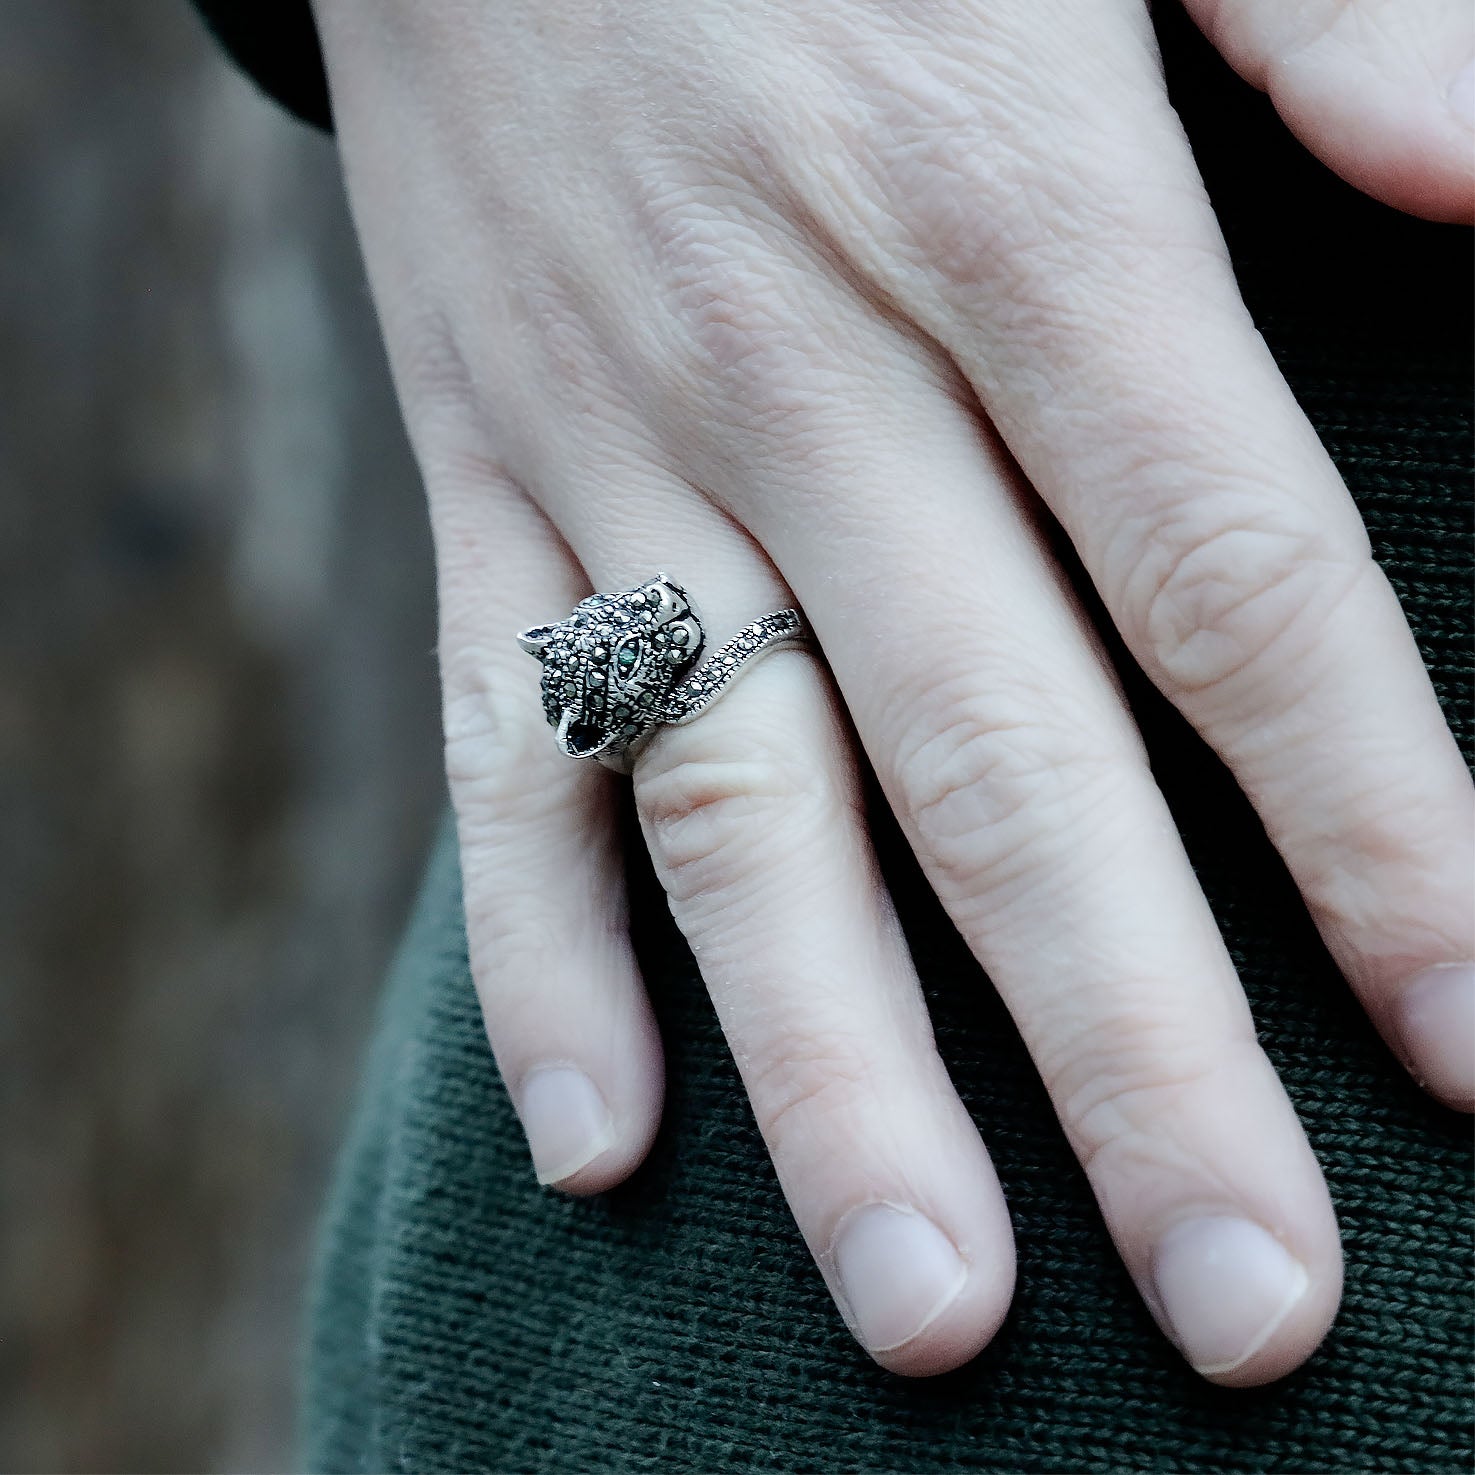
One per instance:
(465, 1319)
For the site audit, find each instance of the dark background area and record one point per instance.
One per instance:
(219, 765)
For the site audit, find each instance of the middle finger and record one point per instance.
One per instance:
(753, 818)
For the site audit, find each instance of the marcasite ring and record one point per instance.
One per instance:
(623, 665)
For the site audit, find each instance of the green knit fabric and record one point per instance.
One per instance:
(465, 1319)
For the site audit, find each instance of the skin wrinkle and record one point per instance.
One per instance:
(714, 850)
(1011, 723)
(520, 950)
(758, 368)
(1204, 613)
(487, 739)
(716, 304)
(974, 648)
(1024, 885)
(1153, 478)
(621, 492)
(976, 197)
(1358, 29)
(1042, 938)
(967, 781)
(700, 811)
(1258, 38)
(1061, 1020)
(1117, 1110)
(748, 341)
(575, 377)
(1292, 637)
(810, 1086)
(1128, 387)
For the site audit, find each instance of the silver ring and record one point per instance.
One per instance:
(624, 665)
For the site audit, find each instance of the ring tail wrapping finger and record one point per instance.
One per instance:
(624, 664)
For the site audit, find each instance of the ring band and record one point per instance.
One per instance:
(623, 665)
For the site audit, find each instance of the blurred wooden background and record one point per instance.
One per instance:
(218, 752)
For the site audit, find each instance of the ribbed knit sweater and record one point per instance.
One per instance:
(465, 1319)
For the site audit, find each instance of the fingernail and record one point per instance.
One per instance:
(1462, 95)
(898, 1273)
(1437, 1023)
(1225, 1286)
(565, 1119)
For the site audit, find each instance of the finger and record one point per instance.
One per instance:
(1097, 318)
(1383, 91)
(543, 879)
(1007, 753)
(753, 818)
(542, 872)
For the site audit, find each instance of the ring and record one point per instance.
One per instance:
(622, 665)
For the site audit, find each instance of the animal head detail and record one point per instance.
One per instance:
(609, 668)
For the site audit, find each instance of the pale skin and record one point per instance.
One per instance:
(807, 301)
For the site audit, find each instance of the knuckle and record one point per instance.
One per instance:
(990, 179)
(436, 390)
(1356, 879)
(807, 1093)
(740, 344)
(492, 743)
(1206, 603)
(448, 425)
(980, 789)
(566, 356)
(976, 215)
(511, 953)
(464, 390)
(705, 812)
(1131, 1090)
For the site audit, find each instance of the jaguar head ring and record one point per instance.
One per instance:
(624, 664)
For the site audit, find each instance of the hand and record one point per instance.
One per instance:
(808, 300)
